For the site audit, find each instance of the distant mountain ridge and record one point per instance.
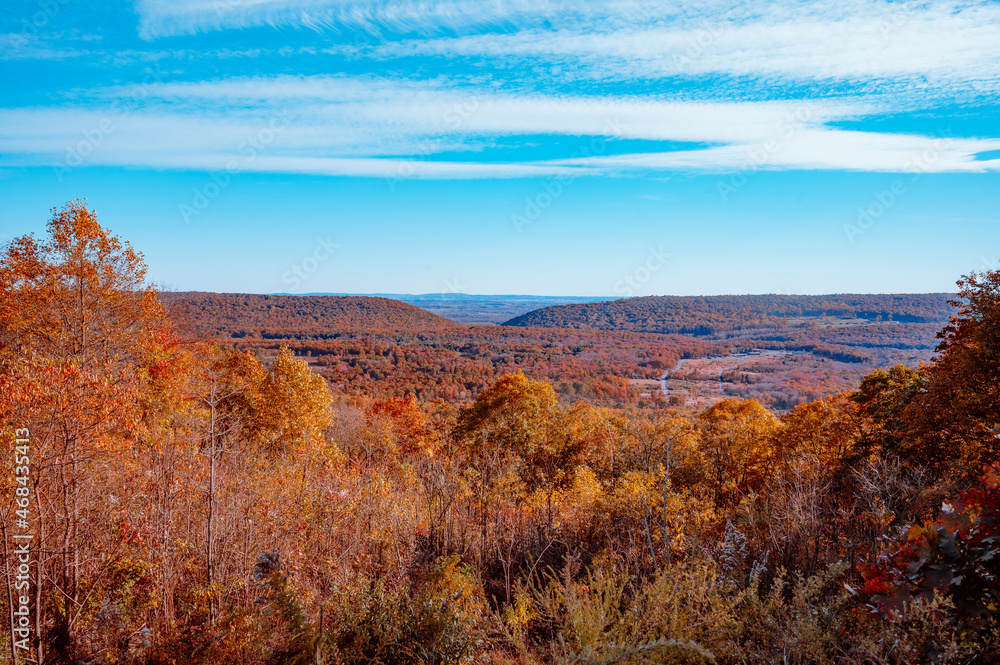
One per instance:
(477, 309)
(255, 316)
(707, 315)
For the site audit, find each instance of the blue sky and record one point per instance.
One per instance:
(602, 148)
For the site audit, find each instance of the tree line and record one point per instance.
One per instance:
(709, 315)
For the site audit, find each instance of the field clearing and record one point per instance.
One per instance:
(648, 384)
(647, 387)
(698, 383)
(832, 321)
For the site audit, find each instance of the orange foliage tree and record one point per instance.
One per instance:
(955, 422)
(80, 332)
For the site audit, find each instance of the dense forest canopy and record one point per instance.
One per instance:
(241, 315)
(379, 347)
(706, 315)
(197, 502)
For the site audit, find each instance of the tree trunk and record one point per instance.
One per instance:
(211, 513)
(39, 650)
(666, 490)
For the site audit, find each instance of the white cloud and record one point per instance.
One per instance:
(935, 45)
(914, 53)
(28, 46)
(811, 149)
(443, 108)
(377, 127)
(159, 18)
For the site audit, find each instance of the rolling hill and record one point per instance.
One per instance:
(473, 309)
(709, 315)
(252, 316)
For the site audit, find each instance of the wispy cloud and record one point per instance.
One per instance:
(159, 18)
(817, 150)
(724, 83)
(910, 51)
(370, 126)
(934, 47)
(27, 46)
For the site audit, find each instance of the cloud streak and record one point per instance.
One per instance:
(715, 81)
(913, 52)
(162, 18)
(943, 49)
(375, 127)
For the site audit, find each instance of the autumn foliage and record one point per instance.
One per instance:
(198, 499)
(953, 557)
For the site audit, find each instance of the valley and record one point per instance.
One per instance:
(780, 350)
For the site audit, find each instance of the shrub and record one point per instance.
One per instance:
(437, 620)
(952, 561)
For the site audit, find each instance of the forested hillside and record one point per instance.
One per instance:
(708, 315)
(173, 500)
(455, 365)
(245, 315)
(377, 347)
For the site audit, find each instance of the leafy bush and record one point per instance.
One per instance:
(954, 557)
(436, 621)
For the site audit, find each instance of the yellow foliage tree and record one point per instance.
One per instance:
(828, 429)
(293, 403)
(737, 440)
